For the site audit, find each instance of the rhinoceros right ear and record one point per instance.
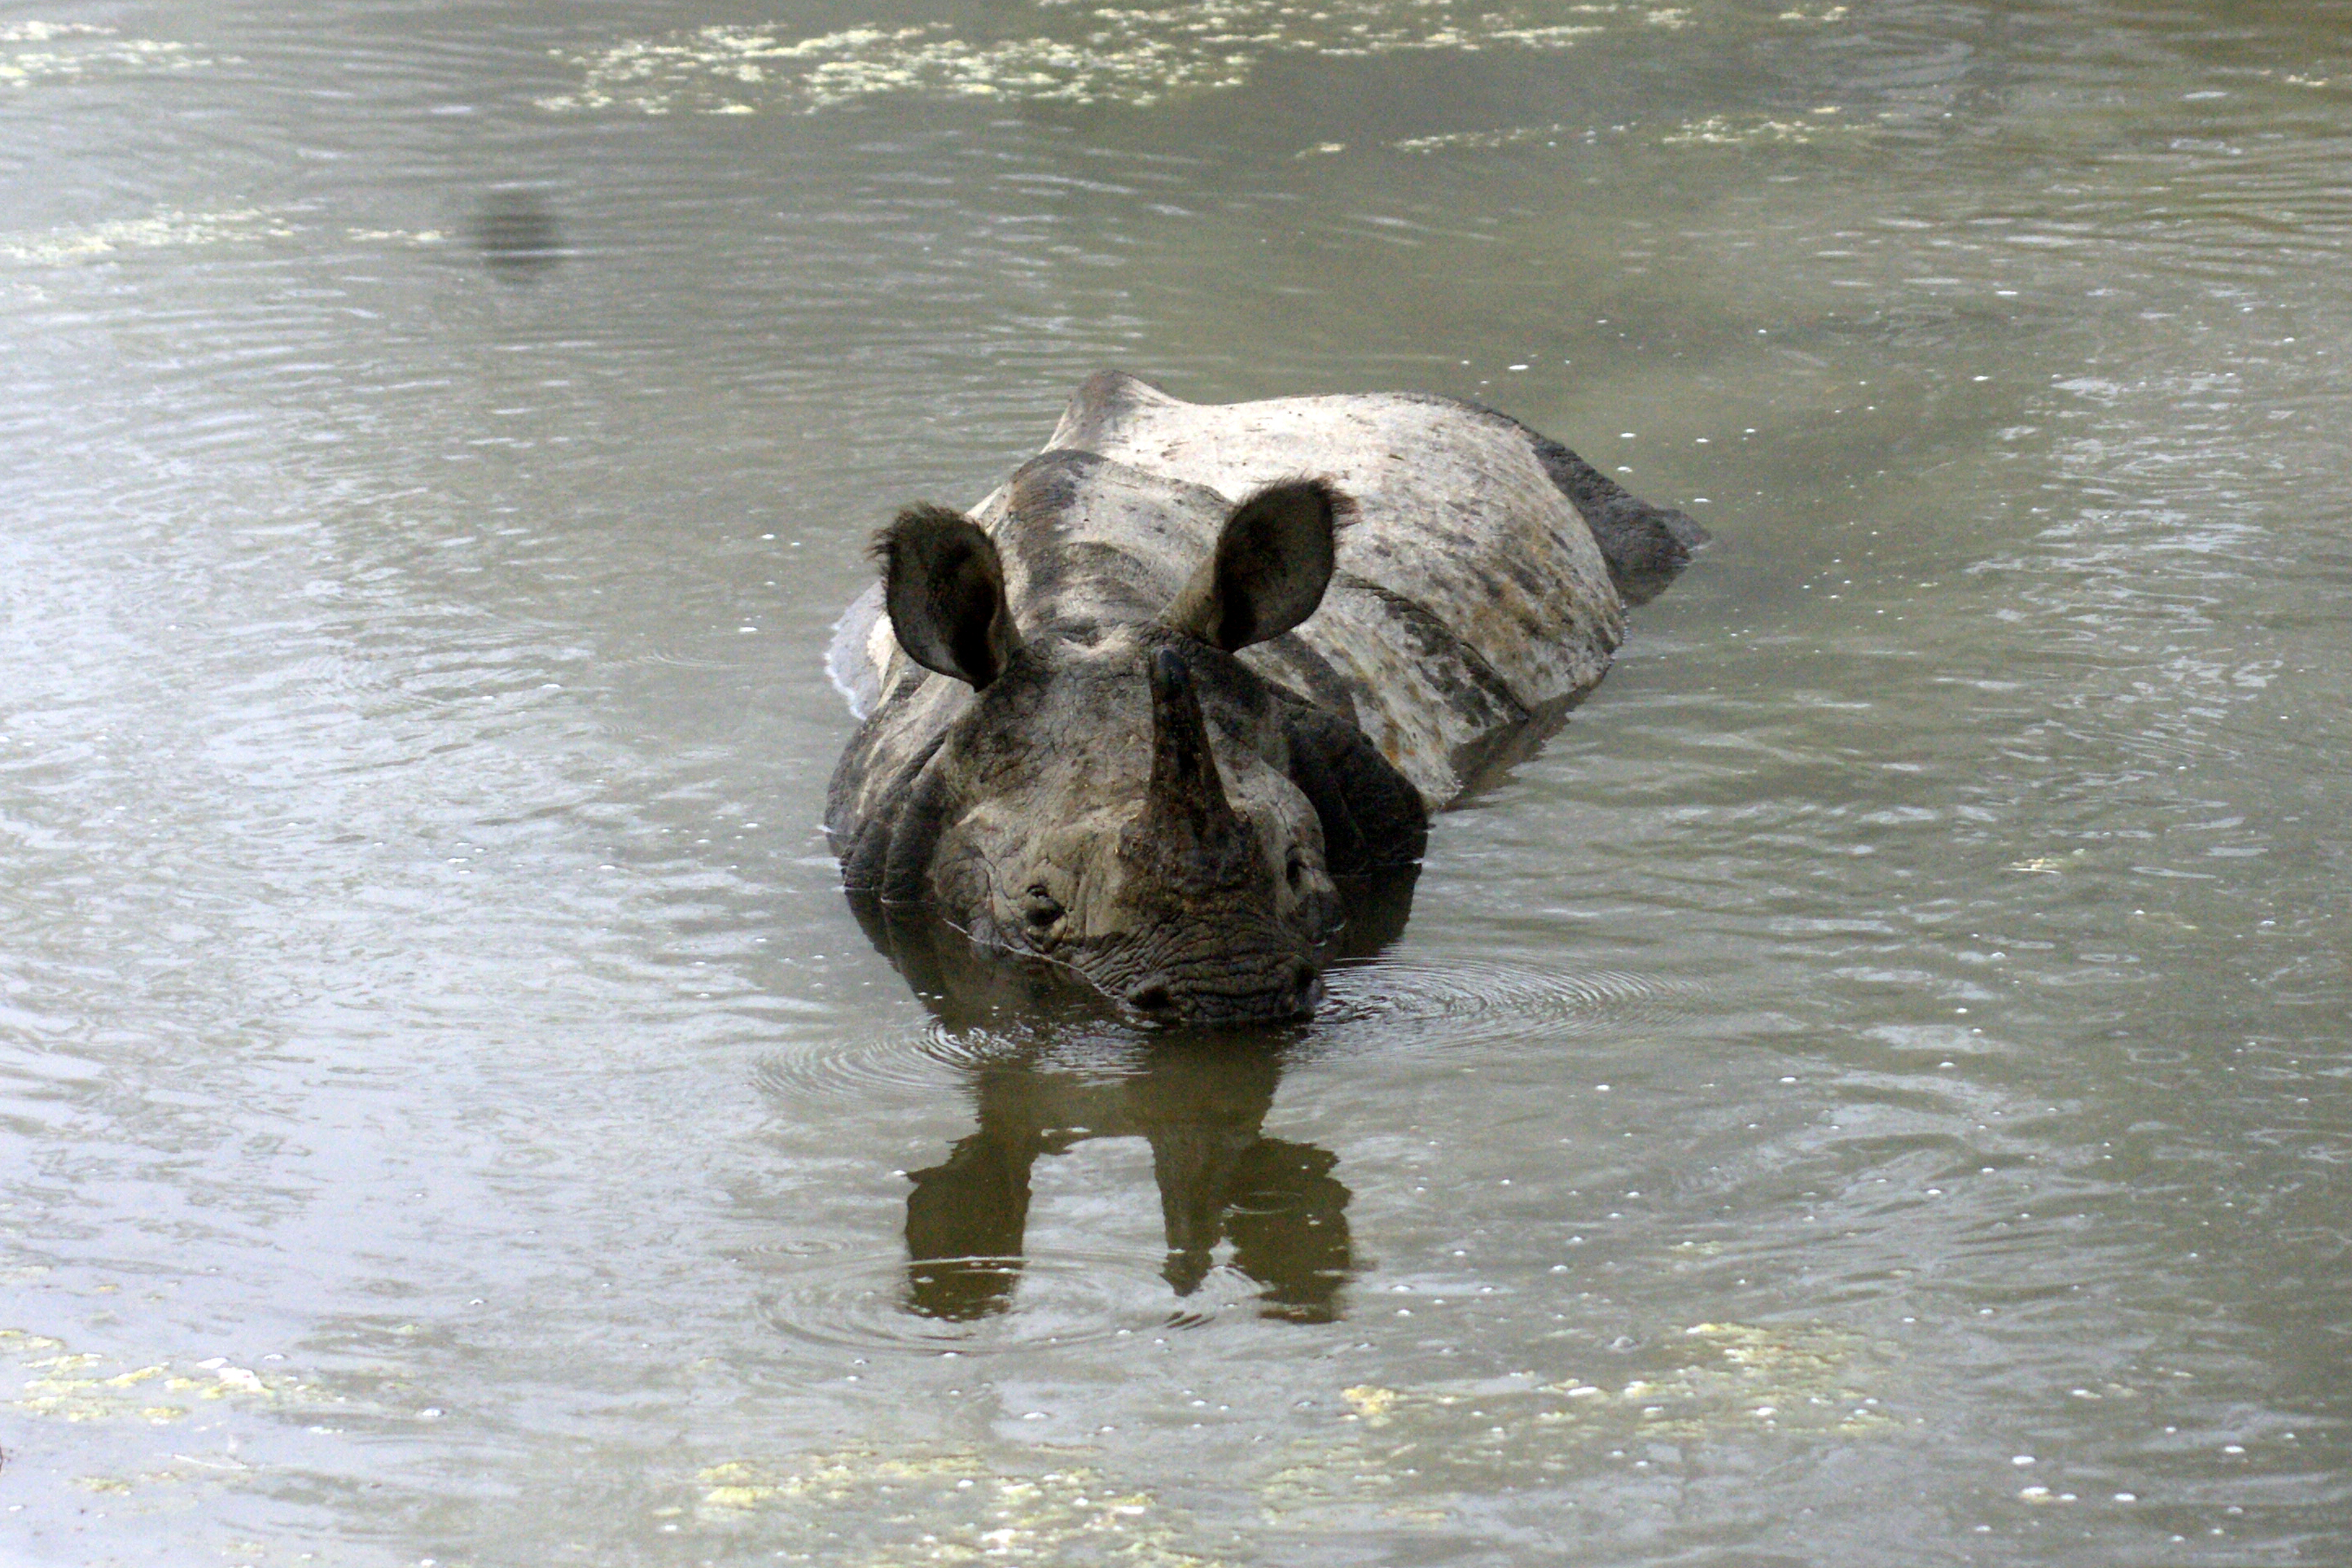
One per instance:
(944, 589)
(1272, 564)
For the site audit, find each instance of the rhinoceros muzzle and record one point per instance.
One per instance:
(1266, 986)
(1210, 946)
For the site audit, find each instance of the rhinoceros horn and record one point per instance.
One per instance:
(1188, 828)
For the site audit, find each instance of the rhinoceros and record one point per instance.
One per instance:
(1136, 716)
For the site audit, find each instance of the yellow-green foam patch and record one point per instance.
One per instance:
(1748, 130)
(164, 229)
(1083, 54)
(1481, 140)
(1822, 124)
(397, 236)
(64, 1385)
(945, 1506)
(73, 51)
(1399, 1449)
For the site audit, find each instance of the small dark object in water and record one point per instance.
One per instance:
(518, 236)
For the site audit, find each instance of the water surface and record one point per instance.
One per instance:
(1872, 1091)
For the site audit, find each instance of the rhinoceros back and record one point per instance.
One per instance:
(1480, 592)
(1472, 607)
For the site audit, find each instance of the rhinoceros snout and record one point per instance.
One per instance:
(1295, 993)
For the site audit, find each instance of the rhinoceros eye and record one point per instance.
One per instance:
(1044, 908)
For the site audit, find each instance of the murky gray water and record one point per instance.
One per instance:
(1873, 1092)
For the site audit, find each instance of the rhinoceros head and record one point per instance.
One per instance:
(1124, 797)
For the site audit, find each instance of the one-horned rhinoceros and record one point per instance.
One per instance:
(1132, 716)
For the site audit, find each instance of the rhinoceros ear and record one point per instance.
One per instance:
(944, 589)
(1272, 564)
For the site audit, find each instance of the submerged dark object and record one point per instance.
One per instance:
(518, 235)
(1133, 731)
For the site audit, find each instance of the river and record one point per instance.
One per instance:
(1876, 1090)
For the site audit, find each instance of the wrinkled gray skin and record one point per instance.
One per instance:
(1102, 731)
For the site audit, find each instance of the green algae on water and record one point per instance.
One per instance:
(948, 1506)
(1082, 55)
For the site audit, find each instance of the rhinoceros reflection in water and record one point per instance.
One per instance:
(1135, 717)
(1199, 1101)
(1200, 1105)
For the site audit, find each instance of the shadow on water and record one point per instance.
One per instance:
(1071, 1069)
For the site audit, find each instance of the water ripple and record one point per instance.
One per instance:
(1066, 1297)
(1470, 1003)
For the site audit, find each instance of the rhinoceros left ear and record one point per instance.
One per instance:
(1272, 564)
(943, 587)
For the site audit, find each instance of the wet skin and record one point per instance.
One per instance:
(1132, 729)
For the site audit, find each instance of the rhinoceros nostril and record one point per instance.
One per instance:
(1151, 997)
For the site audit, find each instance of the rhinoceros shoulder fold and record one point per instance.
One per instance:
(1103, 404)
